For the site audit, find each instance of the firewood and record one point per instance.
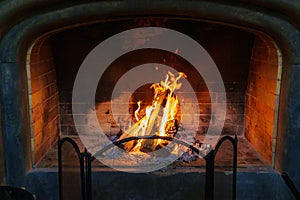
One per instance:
(160, 98)
(171, 127)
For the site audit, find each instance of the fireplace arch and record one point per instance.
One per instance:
(21, 34)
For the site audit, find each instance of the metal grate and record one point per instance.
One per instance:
(86, 163)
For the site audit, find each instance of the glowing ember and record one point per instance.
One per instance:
(161, 118)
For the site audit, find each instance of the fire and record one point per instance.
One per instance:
(161, 118)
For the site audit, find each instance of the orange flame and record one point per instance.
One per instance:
(160, 117)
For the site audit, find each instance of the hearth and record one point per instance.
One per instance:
(86, 161)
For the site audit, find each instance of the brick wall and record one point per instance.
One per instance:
(231, 57)
(44, 98)
(262, 92)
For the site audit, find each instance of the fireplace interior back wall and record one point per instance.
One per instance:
(233, 65)
(234, 51)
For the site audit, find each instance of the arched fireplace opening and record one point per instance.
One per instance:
(248, 62)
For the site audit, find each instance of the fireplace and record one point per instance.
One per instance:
(257, 62)
(250, 72)
(249, 69)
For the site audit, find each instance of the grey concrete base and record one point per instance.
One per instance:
(171, 184)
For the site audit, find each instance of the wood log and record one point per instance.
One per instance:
(132, 131)
(171, 127)
(149, 145)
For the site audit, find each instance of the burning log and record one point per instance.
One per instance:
(165, 103)
(149, 145)
(171, 127)
(133, 131)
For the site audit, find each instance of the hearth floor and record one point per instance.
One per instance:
(248, 158)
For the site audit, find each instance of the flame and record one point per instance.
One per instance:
(137, 111)
(160, 118)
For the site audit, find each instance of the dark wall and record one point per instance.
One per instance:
(2, 164)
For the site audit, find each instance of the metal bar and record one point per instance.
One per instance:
(226, 137)
(88, 171)
(291, 185)
(82, 175)
(113, 144)
(89, 180)
(81, 161)
(209, 175)
(85, 159)
(234, 142)
(59, 168)
(234, 175)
